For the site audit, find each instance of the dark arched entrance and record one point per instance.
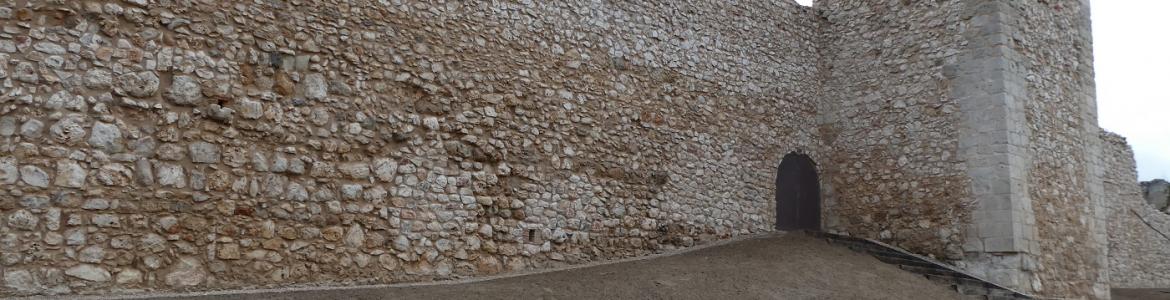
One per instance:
(798, 194)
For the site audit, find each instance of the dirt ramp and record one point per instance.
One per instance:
(781, 266)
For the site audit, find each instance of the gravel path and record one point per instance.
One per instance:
(781, 266)
(1141, 294)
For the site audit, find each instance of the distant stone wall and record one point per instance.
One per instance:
(197, 145)
(1156, 193)
(1139, 235)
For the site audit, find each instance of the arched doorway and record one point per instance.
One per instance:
(798, 194)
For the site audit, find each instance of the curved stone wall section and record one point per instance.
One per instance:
(1139, 234)
(178, 145)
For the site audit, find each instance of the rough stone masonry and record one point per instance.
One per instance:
(179, 145)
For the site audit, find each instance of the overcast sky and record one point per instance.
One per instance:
(1131, 39)
(1132, 47)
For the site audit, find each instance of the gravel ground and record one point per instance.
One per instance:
(780, 266)
(1141, 294)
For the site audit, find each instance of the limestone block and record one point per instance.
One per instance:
(351, 191)
(26, 72)
(106, 221)
(355, 236)
(91, 254)
(250, 109)
(70, 174)
(21, 281)
(228, 251)
(9, 172)
(139, 84)
(315, 87)
(98, 79)
(128, 277)
(170, 175)
(355, 170)
(68, 130)
(106, 137)
(204, 152)
(144, 173)
(32, 129)
(23, 220)
(7, 125)
(185, 90)
(187, 271)
(89, 272)
(34, 176)
(385, 169)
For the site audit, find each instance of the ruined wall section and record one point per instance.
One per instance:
(1139, 234)
(179, 145)
(896, 171)
(1054, 44)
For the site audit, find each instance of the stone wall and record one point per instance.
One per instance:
(1139, 235)
(1054, 43)
(179, 145)
(895, 172)
(196, 145)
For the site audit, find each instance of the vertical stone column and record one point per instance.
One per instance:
(998, 79)
(987, 82)
(1095, 157)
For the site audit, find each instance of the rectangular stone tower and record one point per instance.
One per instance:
(968, 130)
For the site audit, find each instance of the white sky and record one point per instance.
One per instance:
(1131, 40)
(1132, 48)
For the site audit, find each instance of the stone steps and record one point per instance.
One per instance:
(967, 285)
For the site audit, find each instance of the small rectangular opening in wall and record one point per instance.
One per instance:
(805, 2)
